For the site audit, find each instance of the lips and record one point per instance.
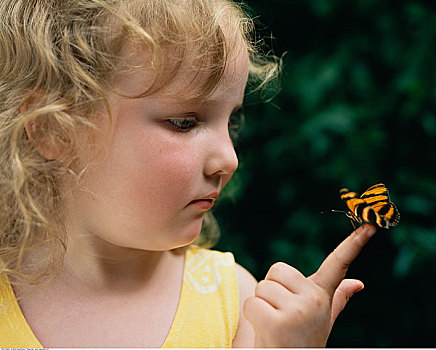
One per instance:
(202, 204)
(205, 203)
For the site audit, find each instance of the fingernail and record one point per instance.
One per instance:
(370, 230)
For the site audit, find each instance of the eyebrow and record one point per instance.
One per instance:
(235, 109)
(206, 101)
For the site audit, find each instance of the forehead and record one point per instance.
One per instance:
(190, 82)
(186, 79)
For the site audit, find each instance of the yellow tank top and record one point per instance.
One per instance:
(207, 315)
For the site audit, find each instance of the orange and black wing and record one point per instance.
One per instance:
(360, 210)
(377, 196)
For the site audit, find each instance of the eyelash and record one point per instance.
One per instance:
(183, 124)
(187, 124)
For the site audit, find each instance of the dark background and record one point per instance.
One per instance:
(356, 107)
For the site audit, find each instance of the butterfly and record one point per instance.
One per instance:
(373, 206)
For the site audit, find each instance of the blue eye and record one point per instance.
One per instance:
(183, 124)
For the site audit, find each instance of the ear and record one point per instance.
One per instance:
(44, 142)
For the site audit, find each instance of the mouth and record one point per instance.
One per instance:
(202, 204)
(205, 203)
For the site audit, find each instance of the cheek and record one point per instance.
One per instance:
(160, 177)
(169, 177)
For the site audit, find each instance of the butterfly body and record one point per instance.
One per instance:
(373, 206)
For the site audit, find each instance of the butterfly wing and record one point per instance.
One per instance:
(377, 197)
(360, 210)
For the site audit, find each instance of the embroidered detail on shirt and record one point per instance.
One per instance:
(202, 270)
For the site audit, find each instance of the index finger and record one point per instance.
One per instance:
(333, 269)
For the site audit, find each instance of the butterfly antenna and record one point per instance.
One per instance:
(333, 211)
(339, 211)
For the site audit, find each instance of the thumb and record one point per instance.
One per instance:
(346, 289)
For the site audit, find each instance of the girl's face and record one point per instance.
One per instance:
(163, 165)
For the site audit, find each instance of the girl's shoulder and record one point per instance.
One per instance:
(196, 252)
(208, 271)
(201, 259)
(197, 257)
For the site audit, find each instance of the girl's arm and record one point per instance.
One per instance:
(244, 337)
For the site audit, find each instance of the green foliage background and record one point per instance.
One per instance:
(356, 107)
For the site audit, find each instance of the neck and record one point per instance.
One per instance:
(99, 265)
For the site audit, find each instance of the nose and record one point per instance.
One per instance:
(222, 158)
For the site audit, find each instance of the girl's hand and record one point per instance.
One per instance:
(290, 310)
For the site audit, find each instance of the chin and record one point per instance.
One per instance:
(170, 238)
(188, 235)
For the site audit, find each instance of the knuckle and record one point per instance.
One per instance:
(320, 299)
(261, 287)
(340, 259)
(260, 318)
(277, 270)
(315, 300)
(249, 308)
(281, 321)
(301, 312)
(319, 296)
(279, 265)
(248, 305)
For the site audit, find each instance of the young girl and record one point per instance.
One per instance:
(114, 136)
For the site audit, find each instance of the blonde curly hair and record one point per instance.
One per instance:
(58, 59)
